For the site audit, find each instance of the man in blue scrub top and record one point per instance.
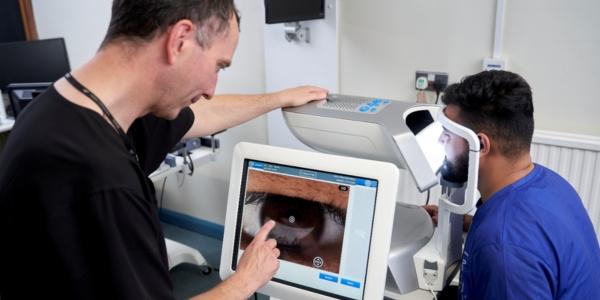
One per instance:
(531, 237)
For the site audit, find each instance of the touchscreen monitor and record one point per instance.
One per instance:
(326, 211)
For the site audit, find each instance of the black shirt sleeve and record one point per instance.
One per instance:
(154, 137)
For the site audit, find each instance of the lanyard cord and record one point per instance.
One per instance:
(76, 84)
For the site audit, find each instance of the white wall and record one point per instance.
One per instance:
(83, 25)
(554, 44)
(298, 63)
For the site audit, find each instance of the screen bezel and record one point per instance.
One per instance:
(238, 228)
(385, 173)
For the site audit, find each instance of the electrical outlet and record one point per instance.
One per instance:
(435, 80)
(494, 64)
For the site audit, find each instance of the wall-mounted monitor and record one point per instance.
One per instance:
(285, 11)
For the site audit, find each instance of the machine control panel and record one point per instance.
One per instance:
(354, 104)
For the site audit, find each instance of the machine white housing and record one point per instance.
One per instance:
(439, 259)
(386, 130)
(471, 196)
(363, 127)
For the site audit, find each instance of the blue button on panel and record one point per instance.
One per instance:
(351, 283)
(364, 108)
(328, 277)
(374, 109)
(386, 101)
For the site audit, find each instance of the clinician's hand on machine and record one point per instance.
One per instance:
(256, 267)
(300, 95)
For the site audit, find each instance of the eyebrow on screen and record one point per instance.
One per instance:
(313, 190)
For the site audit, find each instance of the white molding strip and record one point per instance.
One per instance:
(568, 140)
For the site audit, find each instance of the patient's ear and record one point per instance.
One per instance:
(484, 144)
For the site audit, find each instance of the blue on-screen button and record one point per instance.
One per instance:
(328, 277)
(351, 283)
(257, 165)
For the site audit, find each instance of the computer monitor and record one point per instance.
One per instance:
(282, 11)
(333, 215)
(33, 61)
(21, 94)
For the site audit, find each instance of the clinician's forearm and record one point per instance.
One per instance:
(226, 111)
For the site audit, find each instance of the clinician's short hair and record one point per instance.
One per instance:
(497, 103)
(145, 19)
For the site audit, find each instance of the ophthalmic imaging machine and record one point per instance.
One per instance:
(406, 135)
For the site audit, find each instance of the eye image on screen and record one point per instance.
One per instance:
(310, 217)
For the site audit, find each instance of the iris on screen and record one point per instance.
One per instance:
(308, 231)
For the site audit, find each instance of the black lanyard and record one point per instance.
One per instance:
(76, 84)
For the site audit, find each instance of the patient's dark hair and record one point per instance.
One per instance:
(497, 103)
(145, 19)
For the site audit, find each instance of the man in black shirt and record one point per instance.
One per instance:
(78, 216)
